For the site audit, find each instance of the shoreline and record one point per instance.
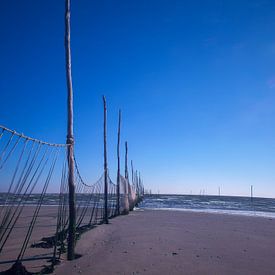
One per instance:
(256, 214)
(245, 213)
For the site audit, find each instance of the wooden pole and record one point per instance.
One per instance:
(70, 137)
(139, 179)
(138, 183)
(105, 163)
(133, 180)
(126, 161)
(118, 164)
(251, 192)
(126, 191)
(132, 171)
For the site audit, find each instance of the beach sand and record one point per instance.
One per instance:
(45, 226)
(174, 242)
(158, 242)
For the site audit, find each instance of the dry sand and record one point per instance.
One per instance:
(172, 242)
(44, 227)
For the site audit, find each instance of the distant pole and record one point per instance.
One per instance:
(132, 171)
(137, 181)
(141, 184)
(219, 191)
(118, 164)
(126, 193)
(251, 192)
(133, 180)
(126, 161)
(70, 137)
(105, 163)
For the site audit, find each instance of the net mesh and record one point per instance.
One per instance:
(34, 218)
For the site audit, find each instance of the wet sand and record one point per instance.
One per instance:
(172, 242)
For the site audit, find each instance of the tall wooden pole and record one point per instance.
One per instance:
(105, 163)
(126, 190)
(118, 164)
(137, 182)
(251, 192)
(141, 185)
(126, 161)
(70, 137)
(133, 180)
(132, 171)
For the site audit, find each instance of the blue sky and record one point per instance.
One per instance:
(195, 81)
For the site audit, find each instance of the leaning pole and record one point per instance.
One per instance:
(70, 137)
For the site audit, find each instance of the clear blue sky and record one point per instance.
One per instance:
(195, 81)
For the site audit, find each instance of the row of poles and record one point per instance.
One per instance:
(70, 146)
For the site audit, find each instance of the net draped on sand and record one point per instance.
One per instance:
(33, 217)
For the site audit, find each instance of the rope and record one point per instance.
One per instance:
(24, 246)
(33, 139)
(31, 164)
(2, 132)
(6, 146)
(10, 152)
(32, 188)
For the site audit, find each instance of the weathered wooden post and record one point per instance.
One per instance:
(105, 163)
(132, 171)
(141, 183)
(137, 181)
(126, 189)
(133, 182)
(126, 161)
(118, 165)
(70, 137)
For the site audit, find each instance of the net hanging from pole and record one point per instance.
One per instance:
(30, 174)
(34, 212)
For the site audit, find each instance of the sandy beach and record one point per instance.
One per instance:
(173, 242)
(45, 226)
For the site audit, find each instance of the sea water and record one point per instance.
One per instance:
(264, 207)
